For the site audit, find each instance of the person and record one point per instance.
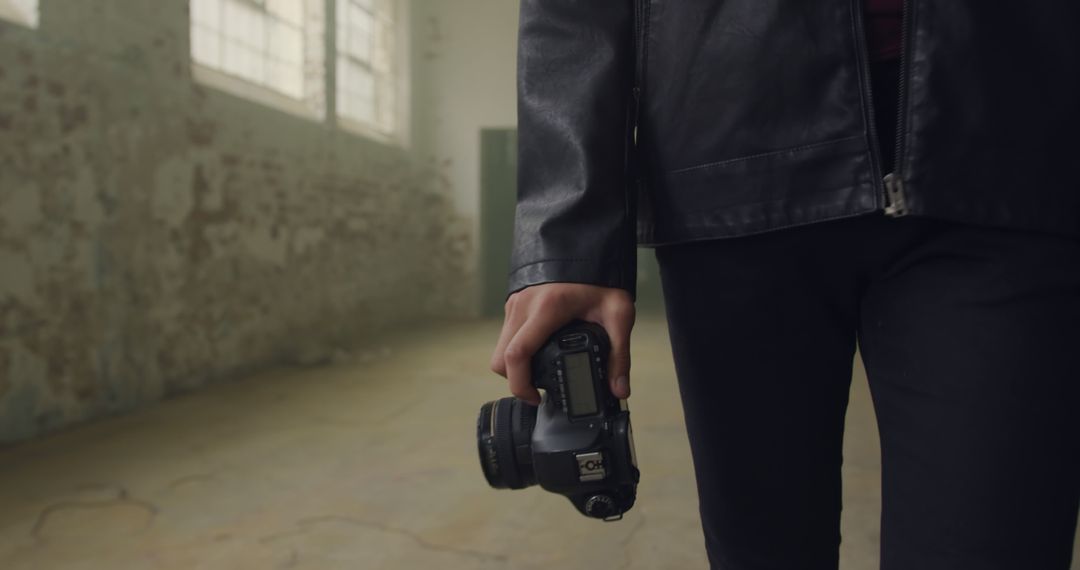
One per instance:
(812, 176)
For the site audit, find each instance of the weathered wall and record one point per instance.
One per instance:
(156, 234)
(465, 80)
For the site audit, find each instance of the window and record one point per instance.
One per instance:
(367, 57)
(23, 12)
(274, 51)
(275, 45)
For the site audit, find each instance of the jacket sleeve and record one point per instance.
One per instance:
(575, 219)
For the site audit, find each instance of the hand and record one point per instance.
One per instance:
(533, 314)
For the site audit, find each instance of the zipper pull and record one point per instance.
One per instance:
(895, 203)
(636, 93)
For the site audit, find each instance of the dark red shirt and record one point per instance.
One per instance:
(884, 19)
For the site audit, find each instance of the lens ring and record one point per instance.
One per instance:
(523, 421)
(504, 441)
(485, 439)
(503, 438)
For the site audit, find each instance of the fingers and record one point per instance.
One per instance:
(514, 317)
(519, 352)
(534, 313)
(618, 320)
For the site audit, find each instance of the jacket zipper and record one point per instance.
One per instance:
(640, 30)
(639, 61)
(633, 168)
(892, 185)
(894, 182)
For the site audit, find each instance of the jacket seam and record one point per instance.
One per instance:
(531, 263)
(764, 154)
(848, 214)
(701, 221)
(866, 105)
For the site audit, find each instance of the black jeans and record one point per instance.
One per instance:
(971, 341)
(970, 338)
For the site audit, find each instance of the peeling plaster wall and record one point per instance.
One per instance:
(464, 81)
(156, 234)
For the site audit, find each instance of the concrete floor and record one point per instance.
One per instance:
(368, 463)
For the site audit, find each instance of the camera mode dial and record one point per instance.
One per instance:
(600, 506)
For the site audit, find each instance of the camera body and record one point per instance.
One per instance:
(578, 442)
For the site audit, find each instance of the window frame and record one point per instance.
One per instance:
(326, 108)
(312, 103)
(399, 76)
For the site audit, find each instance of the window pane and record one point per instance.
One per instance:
(291, 11)
(206, 46)
(264, 42)
(285, 44)
(361, 83)
(356, 31)
(356, 91)
(20, 11)
(367, 86)
(383, 58)
(206, 13)
(287, 77)
(244, 24)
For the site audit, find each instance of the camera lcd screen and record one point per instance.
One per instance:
(579, 384)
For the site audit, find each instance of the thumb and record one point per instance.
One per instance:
(618, 328)
(619, 368)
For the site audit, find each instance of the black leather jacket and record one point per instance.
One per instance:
(756, 115)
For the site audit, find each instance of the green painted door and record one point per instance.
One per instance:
(498, 195)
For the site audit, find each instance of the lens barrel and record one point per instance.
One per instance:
(504, 439)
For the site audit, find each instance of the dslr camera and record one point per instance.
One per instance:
(577, 442)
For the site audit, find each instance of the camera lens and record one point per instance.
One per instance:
(503, 437)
